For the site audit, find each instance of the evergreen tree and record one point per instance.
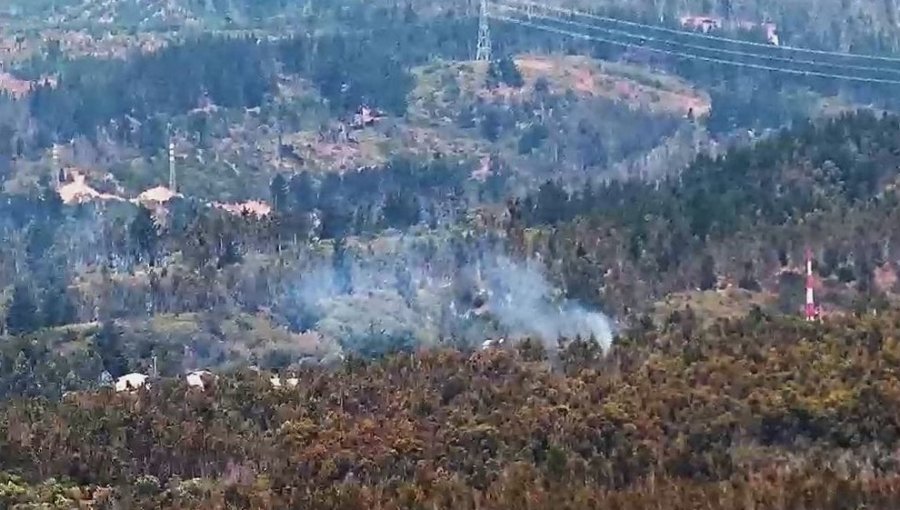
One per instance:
(401, 210)
(336, 221)
(57, 308)
(465, 118)
(505, 71)
(7, 137)
(340, 263)
(490, 126)
(708, 278)
(22, 315)
(278, 189)
(790, 292)
(302, 192)
(552, 202)
(108, 343)
(230, 254)
(532, 138)
(509, 72)
(748, 281)
(144, 234)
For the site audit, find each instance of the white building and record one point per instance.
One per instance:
(195, 379)
(275, 381)
(131, 382)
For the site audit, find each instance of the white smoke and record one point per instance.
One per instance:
(526, 305)
(401, 298)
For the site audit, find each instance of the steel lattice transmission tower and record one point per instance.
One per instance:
(483, 53)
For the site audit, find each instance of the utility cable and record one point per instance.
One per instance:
(686, 33)
(623, 33)
(689, 56)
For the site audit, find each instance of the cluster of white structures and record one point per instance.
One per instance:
(196, 379)
(291, 382)
(200, 378)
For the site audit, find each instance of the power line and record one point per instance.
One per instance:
(686, 33)
(580, 35)
(711, 49)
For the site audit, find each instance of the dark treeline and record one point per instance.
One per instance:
(398, 195)
(158, 16)
(744, 216)
(132, 99)
(850, 159)
(233, 73)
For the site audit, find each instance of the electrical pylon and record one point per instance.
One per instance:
(483, 53)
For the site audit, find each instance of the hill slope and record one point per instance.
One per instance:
(736, 416)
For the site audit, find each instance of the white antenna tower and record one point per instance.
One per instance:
(173, 182)
(483, 53)
(55, 162)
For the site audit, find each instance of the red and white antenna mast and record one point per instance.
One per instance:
(812, 312)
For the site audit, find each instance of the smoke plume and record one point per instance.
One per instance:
(372, 305)
(526, 305)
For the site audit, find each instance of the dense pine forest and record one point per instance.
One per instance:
(756, 413)
(270, 254)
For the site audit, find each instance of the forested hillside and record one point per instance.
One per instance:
(275, 254)
(746, 414)
(859, 25)
(744, 217)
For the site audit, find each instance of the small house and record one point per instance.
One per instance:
(131, 382)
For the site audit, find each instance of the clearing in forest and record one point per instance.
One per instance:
(638, 87)
(441, 86)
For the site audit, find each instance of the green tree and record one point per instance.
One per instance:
(57, 308)
(278, 189)
(22, 315)
(532, 138)
(401, 209)
(708, 278)
(505, 71)
(302, 193)
(7, 137)
(144, 234)
(108, 343)
(790, 292)
(490, 126)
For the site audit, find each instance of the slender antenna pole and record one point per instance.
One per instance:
(173, 181)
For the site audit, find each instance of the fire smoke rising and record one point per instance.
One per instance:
(374, 305)
(526, 305)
